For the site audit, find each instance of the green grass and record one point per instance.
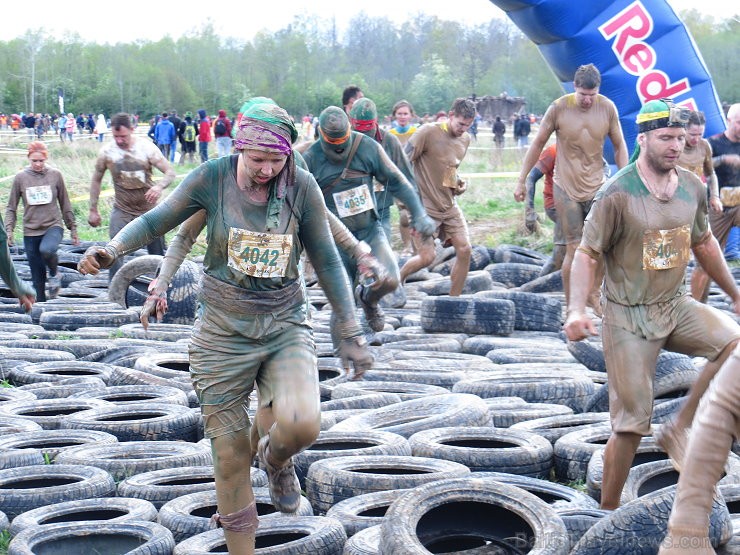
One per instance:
(4, 541)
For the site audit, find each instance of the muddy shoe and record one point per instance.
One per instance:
(673, 441)
(373, 313)
(285, 490)
(53, 285)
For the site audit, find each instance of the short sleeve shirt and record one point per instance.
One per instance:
(698, 159)
(627, 223)
(579, 166)
(131, 172)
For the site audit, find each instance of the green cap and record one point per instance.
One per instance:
(334, 123)
(363, 110)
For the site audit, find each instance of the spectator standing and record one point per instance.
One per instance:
(176, 121)
(29, 122)
(62, 127)
(204, 134)
(188, 134)
(522, 129)
(164, 135)
(130, 162)
(71, 127)
(101, 127)
(222, 132)
(46, 205)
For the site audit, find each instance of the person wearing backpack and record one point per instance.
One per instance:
(222, 132)
(188, 135)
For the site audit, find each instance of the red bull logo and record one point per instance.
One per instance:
(630, 29)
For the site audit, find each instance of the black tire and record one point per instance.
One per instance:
(364, 542)
(283, 535)
(588, 353)
(429, 343)
(533, 311)
(482, 345)
(368, 401)
(553, 428)
(157, 331)
(474, 282)
(578, 521)
(190, 514)
(140, 421)
(49, 413)
(59, 370)
(122, 460)
(647, 451)
(344, 444)
(4, 522)
(513, 274)
(408, 417)
(165, 365)
(536, 386)
(559, 496)
(406, 391)
(181, 295)
(466, 513)
(485, 449)
(530, 354)
(106, 510)
(133, 538)
(504, 417)
(63, 388)
(71, 320)
(13, 394)
(126, 395)
(52, 442)
(473, 315)
(332, 480)
(549, 283)
(363, 511)
(20, 457)
(160, 486)
(29, 487)
(640, 526)
(13, 425)
(515, 253)
(129, 376)
(573, 451)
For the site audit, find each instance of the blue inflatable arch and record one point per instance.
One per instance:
(641, 47)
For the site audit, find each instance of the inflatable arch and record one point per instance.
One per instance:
(641, 47)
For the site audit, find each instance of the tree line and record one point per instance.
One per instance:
(305, 66)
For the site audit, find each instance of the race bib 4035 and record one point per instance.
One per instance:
(353, 201)
(261, 255)
(663, 249)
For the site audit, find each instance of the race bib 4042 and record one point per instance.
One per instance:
(261, 255)
(663, 249)
(353, 201)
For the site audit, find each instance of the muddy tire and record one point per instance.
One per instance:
(471, 315)
(363, 511)
(181, 295)
(283, 535)
(133, 538)
(106, 510)
(553, 428)
(484, 449)
(122, 460)
(365, 443)
(533, 312)
(30, 487)
(52, 442)
(408, 417)
(476, 512)
(332, 480)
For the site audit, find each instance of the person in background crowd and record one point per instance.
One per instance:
(222, 132)
(204, 134)
(101, 127)
(726, 161)
(255, 311)
(349, 95)
(188, 134)
(46, 205)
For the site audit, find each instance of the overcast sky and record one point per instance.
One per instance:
(130, 20)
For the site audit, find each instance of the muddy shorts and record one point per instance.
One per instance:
(282, 363)
(571, 215)
(699, 330)
(450, 224)
(722, 223)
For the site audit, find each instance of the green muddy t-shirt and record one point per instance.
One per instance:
(645, 242)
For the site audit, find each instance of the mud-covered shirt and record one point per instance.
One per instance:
(232, 218)
(435, 155)
(45, 202)
(645, 242)
(131, 172)
(579, 166)
(352, 197)
(728, 175)
(698, 159)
